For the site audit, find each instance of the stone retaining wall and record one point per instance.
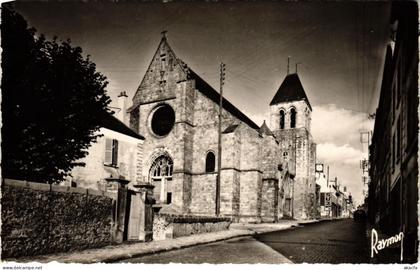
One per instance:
(42, 218)
(172, 226)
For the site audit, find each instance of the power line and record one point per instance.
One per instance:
(293, 40)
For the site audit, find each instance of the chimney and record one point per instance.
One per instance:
(122, 105)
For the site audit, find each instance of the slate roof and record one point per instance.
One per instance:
(213, 95)
(264, 129)
(291, 89)
(112, 123)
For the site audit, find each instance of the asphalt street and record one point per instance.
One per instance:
(338, 241)
(238, 251)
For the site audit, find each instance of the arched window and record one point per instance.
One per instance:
(281, 119)
(293, 118)
(161, 168)
(161, 175)
(210, 162)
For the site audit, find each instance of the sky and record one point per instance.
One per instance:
(339, 48)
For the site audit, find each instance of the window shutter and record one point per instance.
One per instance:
(108, 151)
(115, 152)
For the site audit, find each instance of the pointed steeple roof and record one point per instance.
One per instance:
(264, 129)
(290, 90)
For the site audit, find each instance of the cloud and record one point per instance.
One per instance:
(338, 126)
(344, 154)
(337, 134)
(259, 118)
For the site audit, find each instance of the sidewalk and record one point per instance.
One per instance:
(115, 253)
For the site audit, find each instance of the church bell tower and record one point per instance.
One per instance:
(290, 119)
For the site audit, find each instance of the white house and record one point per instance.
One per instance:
(116, 154)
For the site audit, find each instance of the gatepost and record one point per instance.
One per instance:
(118, 186)
(146, 202)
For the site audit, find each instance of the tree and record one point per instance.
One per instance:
(53, 100)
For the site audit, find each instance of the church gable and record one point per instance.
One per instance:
(163, 74)
(162, 77)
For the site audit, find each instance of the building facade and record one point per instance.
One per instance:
(114, 155)
(177, 112)
(393, 190)
(335, 200)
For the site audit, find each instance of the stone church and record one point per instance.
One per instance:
(265, 174)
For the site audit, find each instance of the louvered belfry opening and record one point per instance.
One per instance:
(282, 119)
(293, 118)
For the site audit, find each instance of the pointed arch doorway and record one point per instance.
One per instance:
(160, 176)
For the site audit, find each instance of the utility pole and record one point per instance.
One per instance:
(328, 176)
(288, 64)
(219, 152)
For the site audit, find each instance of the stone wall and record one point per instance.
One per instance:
(41, 218)
(303, 116)
(229, 192)
(250, 201)
(250, 175)
(272, 157)
(270, 197)
(173, 226)
(203, 194)
(156, 85)
(301, 152)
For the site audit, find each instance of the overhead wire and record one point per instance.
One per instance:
(263, 56)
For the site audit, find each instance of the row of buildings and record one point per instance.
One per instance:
(168, 136)
(335, 201)
(393, 189)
